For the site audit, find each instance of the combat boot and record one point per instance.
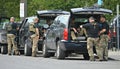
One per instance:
(92, 58)
(105, 59)
(17, 53)
(9, 54)
(33, 54)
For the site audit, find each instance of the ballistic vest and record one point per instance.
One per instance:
(9, 27)
(32, 27)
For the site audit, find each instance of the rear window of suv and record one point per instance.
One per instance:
(82, 20)
(64, 19)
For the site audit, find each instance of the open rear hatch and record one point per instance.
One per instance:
(81, 15)
(91, 10)
(50, 14)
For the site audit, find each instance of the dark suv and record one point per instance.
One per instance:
(24, 33)
(58, 39)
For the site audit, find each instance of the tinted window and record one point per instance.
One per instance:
(81, 20)
(3, 21)
(64, 20)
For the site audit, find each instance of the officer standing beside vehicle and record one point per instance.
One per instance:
(34, 30)
(103, 44)
(92, 29)
(11, 29)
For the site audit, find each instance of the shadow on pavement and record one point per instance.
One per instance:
(112, 59)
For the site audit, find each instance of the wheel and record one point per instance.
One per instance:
(60, 54)
(52, 54)
(21, 51)
(40, 44)
(86, 56)
(0, 50)
(45, 50)
(27, 48)
(4, 50)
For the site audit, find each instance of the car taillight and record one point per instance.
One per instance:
(114, 33)
(109, 33)
(65, 34)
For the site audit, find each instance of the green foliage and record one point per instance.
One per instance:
(11, 7)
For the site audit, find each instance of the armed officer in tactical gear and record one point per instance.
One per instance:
(11, 29)
(104, 38)
(34, 30)
(92, 29)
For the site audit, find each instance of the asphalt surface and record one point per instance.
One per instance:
(28, 62)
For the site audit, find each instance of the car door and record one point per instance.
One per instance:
(50, 36)
(22, 32)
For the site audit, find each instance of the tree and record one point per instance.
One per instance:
(11, 7)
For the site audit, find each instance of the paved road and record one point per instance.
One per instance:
(25, 62)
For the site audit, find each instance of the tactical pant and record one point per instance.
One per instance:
(90, 43)
(35, 44)
(73, 35)
(102, 50)
(11, 42)
(82, 32)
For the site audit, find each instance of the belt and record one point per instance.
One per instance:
(32, 32)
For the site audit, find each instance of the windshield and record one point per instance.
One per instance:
(44, 22)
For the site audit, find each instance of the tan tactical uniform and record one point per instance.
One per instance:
(11, 41)
(93, 37)
(102, 50)
(82, 31)
(73, 36)
(90, 43)
(34, 38)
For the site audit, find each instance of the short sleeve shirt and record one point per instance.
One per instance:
(105, 26)
(92, 30)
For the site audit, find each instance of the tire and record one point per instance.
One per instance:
(60, 54)
(21, 51)
(4, 50)
(52, 54)
(0, 50)
(45, 53)
(86, 56)
(27, 49)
